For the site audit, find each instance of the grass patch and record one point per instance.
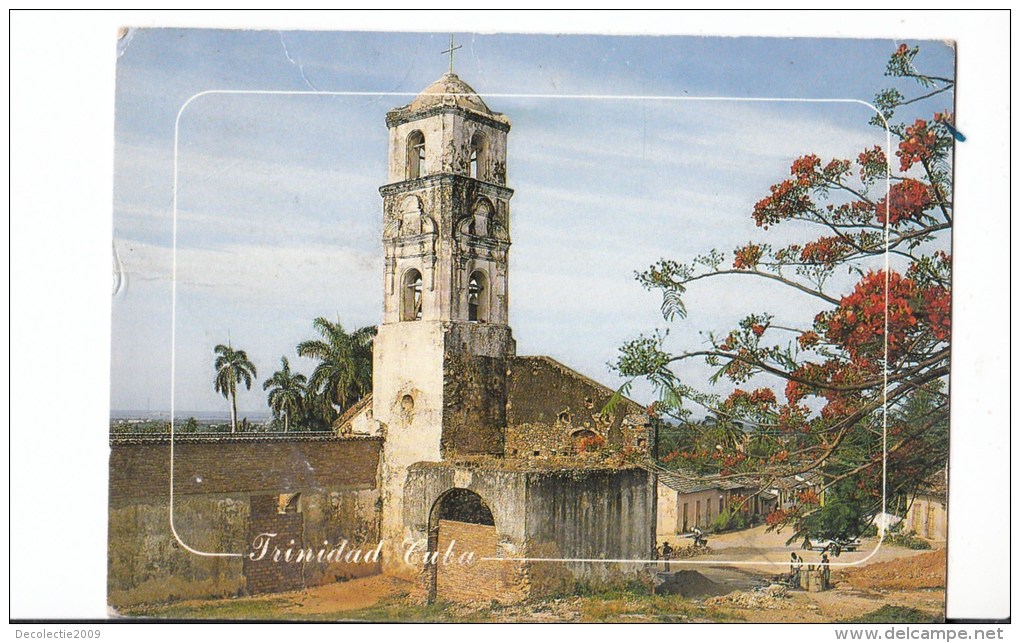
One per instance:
(397, 611)
(253, 609)
(896, 614)
(616, 606)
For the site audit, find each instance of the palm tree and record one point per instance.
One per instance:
(344, 373)
(286, 392)
(232, 367)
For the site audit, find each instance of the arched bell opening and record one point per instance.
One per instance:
(411, 296)
(478, 297)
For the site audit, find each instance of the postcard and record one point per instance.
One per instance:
(529, 328)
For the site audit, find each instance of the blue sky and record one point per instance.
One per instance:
(279, 218)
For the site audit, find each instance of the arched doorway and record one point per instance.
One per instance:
(461, 522)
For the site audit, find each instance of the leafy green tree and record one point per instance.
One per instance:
(344, 372)
(857, 392)
(232, 367)
(286, 393)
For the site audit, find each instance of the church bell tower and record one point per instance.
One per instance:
(441, 353)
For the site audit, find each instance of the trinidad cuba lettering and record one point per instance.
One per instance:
(416, 552)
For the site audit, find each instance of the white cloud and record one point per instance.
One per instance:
(257, 273)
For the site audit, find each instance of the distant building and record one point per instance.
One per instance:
(788, 489)
(686, 500)
(928, 513)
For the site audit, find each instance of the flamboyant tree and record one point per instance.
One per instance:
(859, 393)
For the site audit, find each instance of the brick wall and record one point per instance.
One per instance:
(142, 470)
(267, 575)
(481, 581)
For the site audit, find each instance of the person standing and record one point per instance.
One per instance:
(796, 563)
(824, 567)
(667, 553)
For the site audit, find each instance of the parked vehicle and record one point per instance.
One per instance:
(835, 547)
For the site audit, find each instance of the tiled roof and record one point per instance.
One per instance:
(350, 413)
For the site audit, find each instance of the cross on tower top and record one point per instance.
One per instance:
(450, 51)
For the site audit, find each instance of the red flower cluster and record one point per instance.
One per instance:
(826, 251)
(775, 518)
(758, 330)
(936, 311)
(906, 200)
(805, 169)
(763, 396)
(729, 460)
(758, 397)
(807, 497)
(788, 199)
(808, 339)
(918, 144)
(747, 257)
(729, 343)
(792, 417)
(590, 443)
(795, 391)
(859, 323)
(837, 408)
(873, 163)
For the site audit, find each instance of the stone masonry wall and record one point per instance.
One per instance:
(589, 515)
(550, 406)
(146, 564)
(474, 405)
(579, 513)
(243, 485)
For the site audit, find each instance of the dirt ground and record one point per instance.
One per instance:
(719, 586)
(352, 595)
(863, 581)
(923, 571)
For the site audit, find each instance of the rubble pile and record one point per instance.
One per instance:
(772, 597)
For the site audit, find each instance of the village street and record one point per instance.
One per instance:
(740, 559)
